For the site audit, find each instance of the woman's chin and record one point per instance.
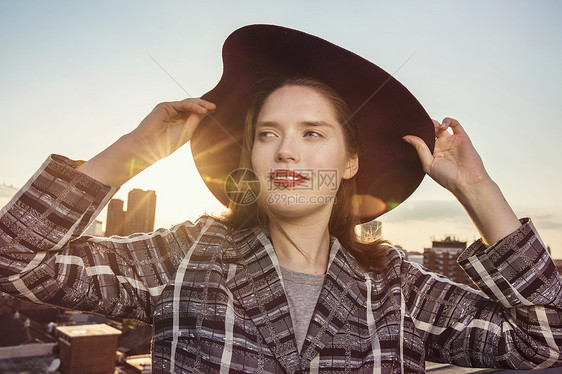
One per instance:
(299, 210)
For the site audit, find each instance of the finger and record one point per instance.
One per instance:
(439, 128)
(443, 129)
(205, 103)
(174, 109)
(422, 149)
(452, 123)
(187, 129)
(191, 105)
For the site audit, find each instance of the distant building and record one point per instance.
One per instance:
(141, 210)
(369, 231)
(139, 216)
(442, 258)
(115, 223)
(413, 256)
(95, 229)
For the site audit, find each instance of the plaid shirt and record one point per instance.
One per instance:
(217, 302)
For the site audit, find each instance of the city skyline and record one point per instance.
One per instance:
(85, 74)
(139, 217)
(376, 226)
(441, 258)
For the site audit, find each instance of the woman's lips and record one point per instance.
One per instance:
(286, 178)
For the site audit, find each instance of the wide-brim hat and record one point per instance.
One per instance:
(383, 110)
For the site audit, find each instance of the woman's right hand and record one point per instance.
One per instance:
(165, 129)
(168, 127)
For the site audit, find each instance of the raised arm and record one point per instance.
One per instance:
(168, 127)
(456, 165)
(515, 321)
(44, 258)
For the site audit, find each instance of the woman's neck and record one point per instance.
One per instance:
(311, 237)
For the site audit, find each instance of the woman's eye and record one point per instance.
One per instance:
(265, 134)
(313, 134)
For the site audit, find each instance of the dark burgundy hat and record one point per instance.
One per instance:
(383, 109)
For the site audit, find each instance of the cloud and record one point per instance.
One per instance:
(548, 221)
(428, 210)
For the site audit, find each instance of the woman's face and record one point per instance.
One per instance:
(299, 152)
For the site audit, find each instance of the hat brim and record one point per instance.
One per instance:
(383, 109)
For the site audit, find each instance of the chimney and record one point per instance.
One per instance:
(87, 349)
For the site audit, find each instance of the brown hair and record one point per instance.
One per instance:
(343, 219)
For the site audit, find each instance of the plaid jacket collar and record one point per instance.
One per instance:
(258, 286)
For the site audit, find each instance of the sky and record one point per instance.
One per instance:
(74, 77)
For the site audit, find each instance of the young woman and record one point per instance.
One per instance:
(275, 286)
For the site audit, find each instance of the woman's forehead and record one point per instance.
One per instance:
(298, 100)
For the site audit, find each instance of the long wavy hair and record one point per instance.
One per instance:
(344, 218)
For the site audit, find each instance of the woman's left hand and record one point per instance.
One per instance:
(454, 164)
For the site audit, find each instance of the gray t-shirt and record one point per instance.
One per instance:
(302, 291)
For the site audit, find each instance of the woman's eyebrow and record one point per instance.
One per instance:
(267, 124)
(275, 124)
(316, 124)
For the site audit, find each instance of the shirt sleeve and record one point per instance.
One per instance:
(44, 259)
(513, 321)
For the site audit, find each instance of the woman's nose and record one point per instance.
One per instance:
(286, 151)
(284, 157)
